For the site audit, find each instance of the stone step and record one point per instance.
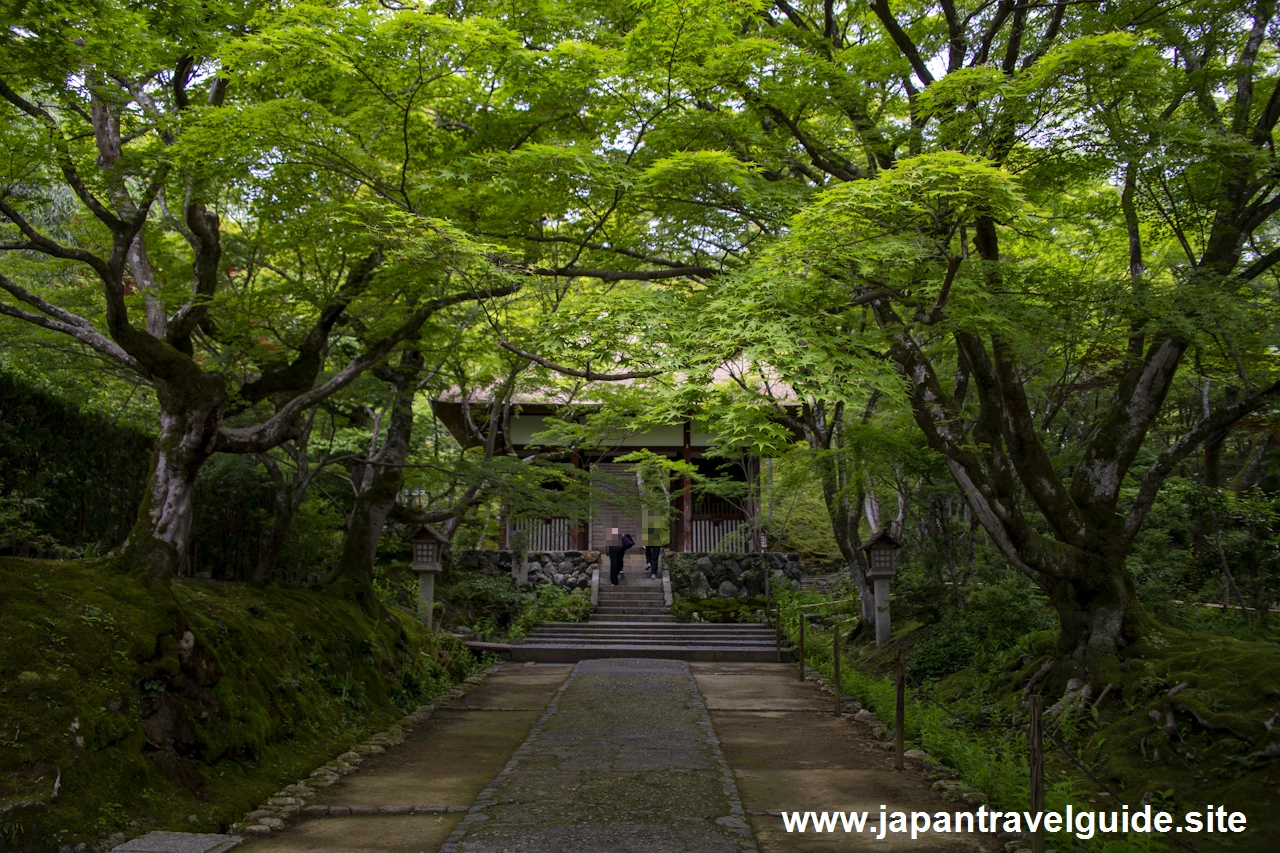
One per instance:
(640, 627)
(648, 638)
(631, 617)
(657, 600)
(573, 654)
(631, 607)
(628, 597)
(687, 626)
(682, 642)
(632, 580)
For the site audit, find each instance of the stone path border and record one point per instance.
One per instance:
(485, 797)
(346, 811)
(737, 820)
(290, 802)
(944, 780)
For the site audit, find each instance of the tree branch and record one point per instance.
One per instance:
(1176, 452)
(61, 320)
(272, 431)
(65, 163)
(902, 40)
(626, 275)
(569, 371)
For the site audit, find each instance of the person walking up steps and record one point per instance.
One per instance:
(655, 509)
(618, 545)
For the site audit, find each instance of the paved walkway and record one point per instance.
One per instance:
(624, 759)
(623, 755)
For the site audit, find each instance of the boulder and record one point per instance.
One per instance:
(698, 583)
(704, 565)
(727, 590)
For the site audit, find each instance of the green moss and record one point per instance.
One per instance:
(1204, 744)
(719, 609)
(269, 684)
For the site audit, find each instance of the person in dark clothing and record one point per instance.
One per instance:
(618, 546)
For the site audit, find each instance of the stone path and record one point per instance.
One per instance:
(789, 753)
(622, 755)
(624, 759)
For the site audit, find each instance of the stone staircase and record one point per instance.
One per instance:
(637, 599)
(631, 621)
(821, 583)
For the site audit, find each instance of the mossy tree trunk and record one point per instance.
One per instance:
(1061, 526)
(159, 545)
(377, 481)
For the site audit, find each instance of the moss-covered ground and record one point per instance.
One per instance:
(719, 609)
(126, 710)
(1185, 720)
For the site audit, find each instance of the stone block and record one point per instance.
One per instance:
(179, 842)
(428, 808)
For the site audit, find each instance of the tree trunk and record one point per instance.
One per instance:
(286, 501)
(377, 490)
(1100, 615)
(159, 545)
(287, 495)
(846, 516)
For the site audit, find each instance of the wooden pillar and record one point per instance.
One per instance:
(753, 504)
(687, 537)
(576, 539)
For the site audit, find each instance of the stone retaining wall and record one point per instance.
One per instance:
(693, 575)
(569, 569)
(733, 575)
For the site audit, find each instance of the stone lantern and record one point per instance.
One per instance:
(426, 562)
(882, 550)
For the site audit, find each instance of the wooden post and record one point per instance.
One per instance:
(1036, 761)
(900, 717)
(777, 632)
(768, 585)
(802, 646)
(687, 503)
(835, 661)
